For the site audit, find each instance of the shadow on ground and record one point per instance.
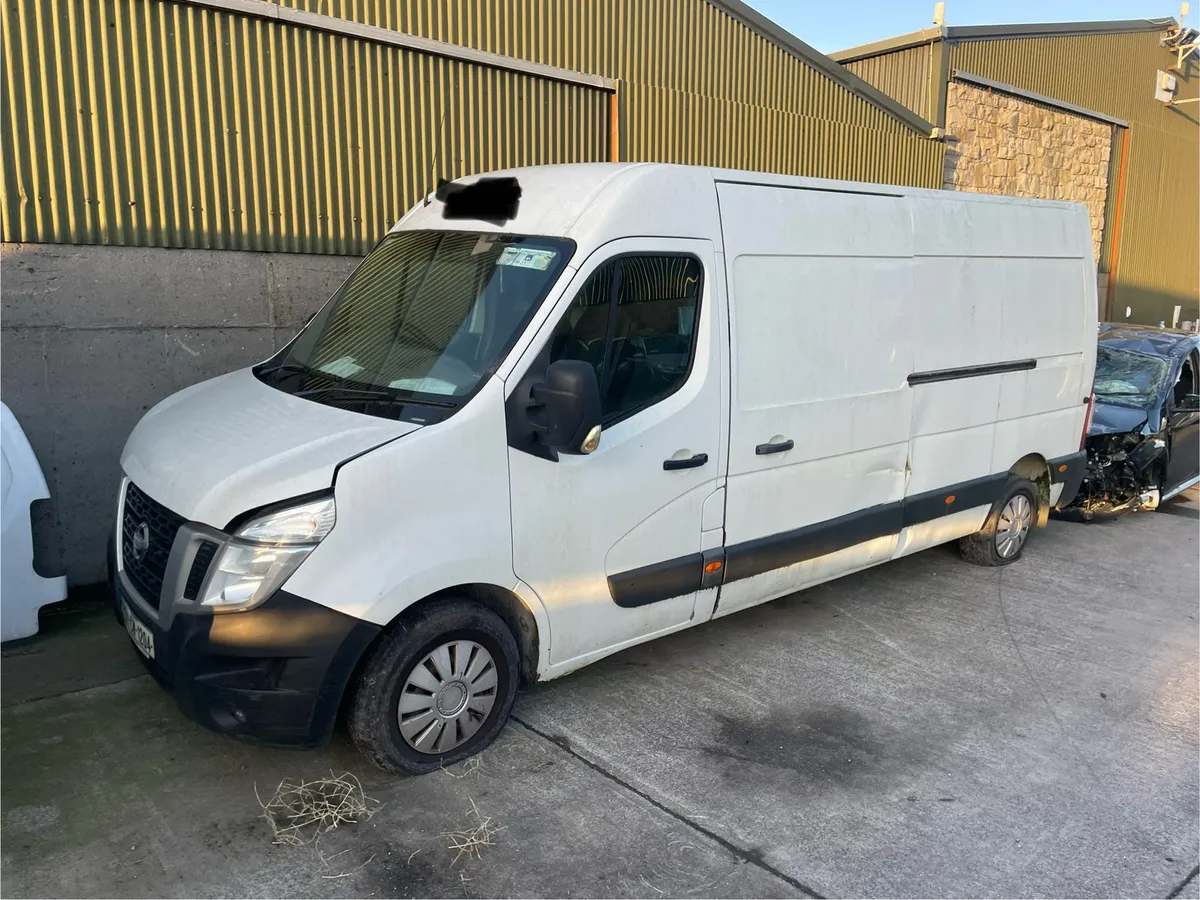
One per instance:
(925, 728)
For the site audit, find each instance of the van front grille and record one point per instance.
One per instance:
(148, 530)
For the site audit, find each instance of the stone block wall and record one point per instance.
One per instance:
(1002, 144)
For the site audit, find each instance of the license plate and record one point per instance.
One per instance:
(143, 637)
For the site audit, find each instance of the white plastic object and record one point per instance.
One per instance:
(22, 590)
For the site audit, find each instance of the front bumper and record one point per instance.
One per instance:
(1068, 471)
(275, 674)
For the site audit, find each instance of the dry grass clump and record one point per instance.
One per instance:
(471, 841)
(300, 812)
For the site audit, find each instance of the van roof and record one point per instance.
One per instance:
(621, 199)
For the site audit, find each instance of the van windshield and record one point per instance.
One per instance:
(422, 322)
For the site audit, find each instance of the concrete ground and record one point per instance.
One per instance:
(925, 728)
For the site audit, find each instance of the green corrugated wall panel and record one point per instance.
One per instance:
(682, 45)
(159, 123)
(1110, 73)
(903, 76)
(678, 127)
(150, 123)
(1158, 246)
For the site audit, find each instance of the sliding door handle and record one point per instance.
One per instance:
(690, 463)
(777, 447)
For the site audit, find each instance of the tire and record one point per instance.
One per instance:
(984, 547)
(400, 668)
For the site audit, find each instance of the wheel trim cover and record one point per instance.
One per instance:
(1013, 526)
(447, 696)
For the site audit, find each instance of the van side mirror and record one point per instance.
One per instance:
(564, 408)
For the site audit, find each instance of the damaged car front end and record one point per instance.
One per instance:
(1128, 442)
(1124, 471)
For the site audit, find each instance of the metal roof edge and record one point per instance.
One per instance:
(1057, 29)
(993, 32)
(980, 81)
(828, 67)
(888, 45)
(266, 9)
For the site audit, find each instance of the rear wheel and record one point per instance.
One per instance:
(1007, 528)
(438, 688)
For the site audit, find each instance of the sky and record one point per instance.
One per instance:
(830, 26)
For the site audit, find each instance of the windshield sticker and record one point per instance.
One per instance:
(423, 385)
(527, 258)
(345, 367)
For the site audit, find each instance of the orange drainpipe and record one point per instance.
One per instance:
(614, 128)
(1116, 226)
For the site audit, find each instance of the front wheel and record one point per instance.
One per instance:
(438, 688)
(1007, 528)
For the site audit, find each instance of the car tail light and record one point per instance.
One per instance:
(1087, 419)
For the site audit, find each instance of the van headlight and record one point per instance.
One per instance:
(264, 553)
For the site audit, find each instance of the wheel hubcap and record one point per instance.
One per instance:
(447, 696)
(1016, 520)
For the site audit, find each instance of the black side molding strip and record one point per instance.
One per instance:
(659, 581)
(931, 505)
(676, 577)
(1017, 365)
(751, 558)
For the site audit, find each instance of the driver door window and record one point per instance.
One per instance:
(635, 322)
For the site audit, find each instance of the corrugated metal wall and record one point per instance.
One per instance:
(1158, 248)
(679, 127)
(160, 123)
(683, 45)
(142, 122)
(903, 75)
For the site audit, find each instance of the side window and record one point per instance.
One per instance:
(1187, 382)
(635, 321)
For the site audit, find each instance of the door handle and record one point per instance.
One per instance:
(778, 447)
(690, 463)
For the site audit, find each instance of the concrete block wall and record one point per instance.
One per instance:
(1001, 144)
(92, 337)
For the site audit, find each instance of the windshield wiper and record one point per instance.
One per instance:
(296, 367)
(367, 394)
(357, 393)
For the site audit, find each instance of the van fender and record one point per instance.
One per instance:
(486, 585)
(423, 583)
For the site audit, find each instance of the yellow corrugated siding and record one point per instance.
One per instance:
(1158, 247)
(159, 123)
(682, 45)
(1110, 73)
(680, 127)
(903, 76)
(142, 122)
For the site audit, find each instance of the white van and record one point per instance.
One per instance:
(527, 433)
